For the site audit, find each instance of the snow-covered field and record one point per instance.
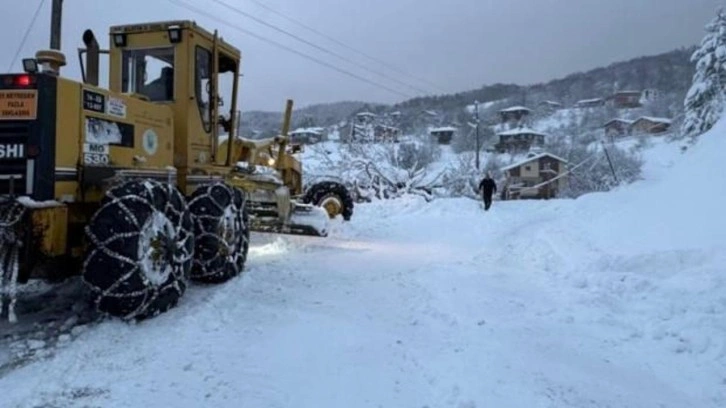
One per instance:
(612, 300)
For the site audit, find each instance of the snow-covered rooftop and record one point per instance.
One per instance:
(516, 109)
(586, 101)
(532, 158)
(313, 130)
(654, 119)
(520, 131)
(443, 129)
(627, 92)
(626, 121)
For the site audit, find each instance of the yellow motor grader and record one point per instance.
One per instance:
(144, 186)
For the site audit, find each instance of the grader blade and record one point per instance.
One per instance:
(305, 220)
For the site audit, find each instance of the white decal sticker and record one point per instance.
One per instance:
(116, 107)
(95, 148)
(151, 142)
(99, 131)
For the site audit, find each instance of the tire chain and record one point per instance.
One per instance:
(180, 279)
(202, 269)
(10, 244)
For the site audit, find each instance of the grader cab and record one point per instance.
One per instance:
(144, 186)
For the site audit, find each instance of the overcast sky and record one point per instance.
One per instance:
(452, 45)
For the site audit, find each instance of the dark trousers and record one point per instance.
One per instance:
(487, 200)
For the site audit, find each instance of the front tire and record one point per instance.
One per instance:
(334, 197)
(140, 250)
(222, 229)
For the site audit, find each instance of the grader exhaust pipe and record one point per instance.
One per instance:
(92, 57)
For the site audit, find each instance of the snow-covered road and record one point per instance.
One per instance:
(411, 305)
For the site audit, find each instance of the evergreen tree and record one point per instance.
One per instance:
(704, 102)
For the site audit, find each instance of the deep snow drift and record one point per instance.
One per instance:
(612, 300)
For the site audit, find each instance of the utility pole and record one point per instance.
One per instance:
(476, 118)
(612, 169)
(55, 25)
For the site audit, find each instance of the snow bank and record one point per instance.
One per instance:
(680, 209)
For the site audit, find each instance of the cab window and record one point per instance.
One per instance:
(149, 72)
(203, 85)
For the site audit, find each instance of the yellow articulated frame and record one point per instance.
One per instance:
(50, 229)
(272, 209)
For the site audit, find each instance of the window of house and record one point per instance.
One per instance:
(528, 168)
(149, 72)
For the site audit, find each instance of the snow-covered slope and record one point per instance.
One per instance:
(612, 300)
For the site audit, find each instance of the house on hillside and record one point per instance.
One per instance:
(590, 103)
(365, 117)
(385, 133)
(307, 135)
(442, 135)
(625, 99)
(519, 139)
(514, 115)
(617, 127)
(649, 95)
(539, 176)
(650, 125)
(359, 133)
(549, 106)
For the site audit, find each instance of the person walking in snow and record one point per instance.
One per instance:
(487, 187)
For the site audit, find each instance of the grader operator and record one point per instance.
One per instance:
(135, 186)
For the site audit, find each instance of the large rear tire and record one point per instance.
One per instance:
(222, 230)
(140, 250)
(334, 197)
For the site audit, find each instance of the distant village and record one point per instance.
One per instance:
(530, 177)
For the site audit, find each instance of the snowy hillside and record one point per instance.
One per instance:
(612, 300)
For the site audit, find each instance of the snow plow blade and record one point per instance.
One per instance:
(305, 220)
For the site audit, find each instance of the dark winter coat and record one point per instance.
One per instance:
(488, 187)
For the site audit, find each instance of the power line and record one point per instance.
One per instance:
(259, 37)
(331, 38)
(25, 36)
(318, 47)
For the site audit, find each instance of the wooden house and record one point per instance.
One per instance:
(514, 114)
(539, 176)
(617, 127)
(549, 106)
(625, 99)
(590, 103)
(307, 135)
(650, 95)
(650, 125)
(365, 117)
(443, 135)
(385, 133)
(519, 139)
